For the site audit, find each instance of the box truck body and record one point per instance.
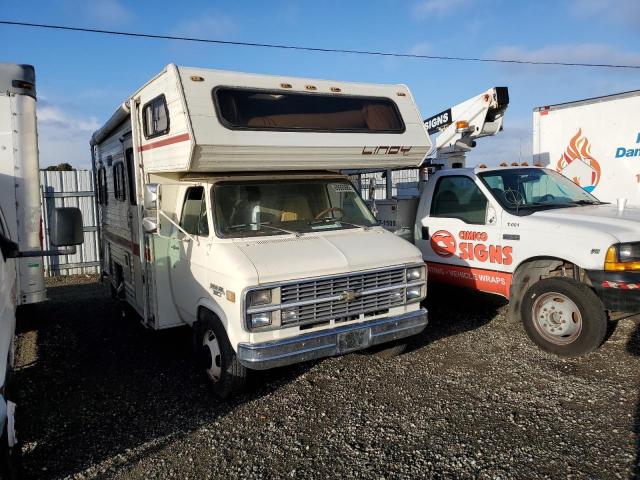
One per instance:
(594, 142)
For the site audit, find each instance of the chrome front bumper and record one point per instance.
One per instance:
(336, 341)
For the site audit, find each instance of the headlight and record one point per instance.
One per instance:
(260, 319)
(260, 297)
(415, 273)
(413, 293)
(623, 256)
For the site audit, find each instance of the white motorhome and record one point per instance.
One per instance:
(221, 208)
(565, 261)
(594, 142)
(21, 272)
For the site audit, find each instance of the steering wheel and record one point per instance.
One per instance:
(546, 197)
(324, 212)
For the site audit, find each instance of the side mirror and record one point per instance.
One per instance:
(150, 224)
(151, 192)
(65, 227)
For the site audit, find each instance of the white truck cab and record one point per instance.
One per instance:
(222, 208)
(564, 259)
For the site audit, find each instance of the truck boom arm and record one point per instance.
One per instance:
(460, 126)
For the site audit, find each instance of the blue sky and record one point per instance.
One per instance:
(83, 77)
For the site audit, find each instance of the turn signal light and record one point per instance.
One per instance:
(612, 264)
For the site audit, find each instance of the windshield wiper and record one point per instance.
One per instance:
(266, 224)
(587, 202)
(335, 220)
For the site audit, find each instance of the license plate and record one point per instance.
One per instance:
(356, 340)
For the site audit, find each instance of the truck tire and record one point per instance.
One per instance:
(217, 358)
(564, 317)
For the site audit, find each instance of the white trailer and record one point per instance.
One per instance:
(221, 208)
(594, 142)
(21, 273)
(563, 259)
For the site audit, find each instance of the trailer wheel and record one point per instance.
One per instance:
(217, 358)
(564, 317)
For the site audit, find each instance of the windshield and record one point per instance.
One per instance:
(524, 190)
(279, 207)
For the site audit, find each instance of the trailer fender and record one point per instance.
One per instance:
(527, 273)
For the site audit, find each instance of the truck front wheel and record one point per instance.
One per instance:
(217, 357)
(564, 317)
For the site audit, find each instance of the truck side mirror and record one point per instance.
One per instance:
(151, 192)
(65, 227)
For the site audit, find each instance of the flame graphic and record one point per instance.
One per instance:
(579, 148)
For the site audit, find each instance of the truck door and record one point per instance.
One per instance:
(188, 258)
(460, 236)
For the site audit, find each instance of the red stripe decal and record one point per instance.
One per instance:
(490, 281)
(621, 285)
(163, 143)
(123, 242)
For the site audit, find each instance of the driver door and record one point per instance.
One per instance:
(461, 237)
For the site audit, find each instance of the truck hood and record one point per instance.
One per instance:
(313, 255)
(625, 225)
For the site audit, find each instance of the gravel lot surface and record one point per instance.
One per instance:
(101, 397)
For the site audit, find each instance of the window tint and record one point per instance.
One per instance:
(102, 192)
(131, 175)
(242, 108)
(459, 197)
(119, 189)
(155, 117)
(194, 212)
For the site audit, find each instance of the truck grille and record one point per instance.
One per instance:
(341, 309)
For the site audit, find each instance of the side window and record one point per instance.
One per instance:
(131, 175)
(194, 212)
(155, 117)
(459, 197)
(119, 189)
(103, 198)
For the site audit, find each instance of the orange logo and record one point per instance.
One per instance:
(578, 164)
(443, 243)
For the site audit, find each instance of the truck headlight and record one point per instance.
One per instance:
(260, 297)
(623, 256)
(414, 293)
(416, 273)
(260, 319)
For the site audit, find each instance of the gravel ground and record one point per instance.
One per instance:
(101, 397)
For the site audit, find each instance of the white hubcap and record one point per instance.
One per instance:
(557, 318)
(211, 354)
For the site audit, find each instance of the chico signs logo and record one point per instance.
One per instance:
(443, 243)
(578, 164)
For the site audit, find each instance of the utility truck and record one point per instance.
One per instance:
(21, 272)
(594, 142)
(563, 259)
(222, 208)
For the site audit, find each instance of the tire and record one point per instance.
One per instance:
(387, 350)
(564, 317)
(216, 357)
(10, 459)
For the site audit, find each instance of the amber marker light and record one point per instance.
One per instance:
(612, 262)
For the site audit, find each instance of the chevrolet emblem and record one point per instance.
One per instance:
(349, 295)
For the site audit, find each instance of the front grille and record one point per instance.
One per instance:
(341, 310)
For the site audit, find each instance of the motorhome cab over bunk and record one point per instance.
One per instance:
(221, 207)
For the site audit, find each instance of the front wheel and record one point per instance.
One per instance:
(564, 317)
(216, 356)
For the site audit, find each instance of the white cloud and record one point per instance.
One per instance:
(101, 12)
(422, 48)
(207, 26)
(425, 9)
(580, 53)
(620, 11)
(64, 136)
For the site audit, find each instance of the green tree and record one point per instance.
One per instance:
(61, 167)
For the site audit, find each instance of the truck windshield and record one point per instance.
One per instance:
(280, 207)
(526, 190)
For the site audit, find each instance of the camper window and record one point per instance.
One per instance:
(118, 182)
(155, 117)
(256, 109)
(131, 175)
(194, 212)
(102, 186)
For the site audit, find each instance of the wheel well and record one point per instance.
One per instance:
(534, 269)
